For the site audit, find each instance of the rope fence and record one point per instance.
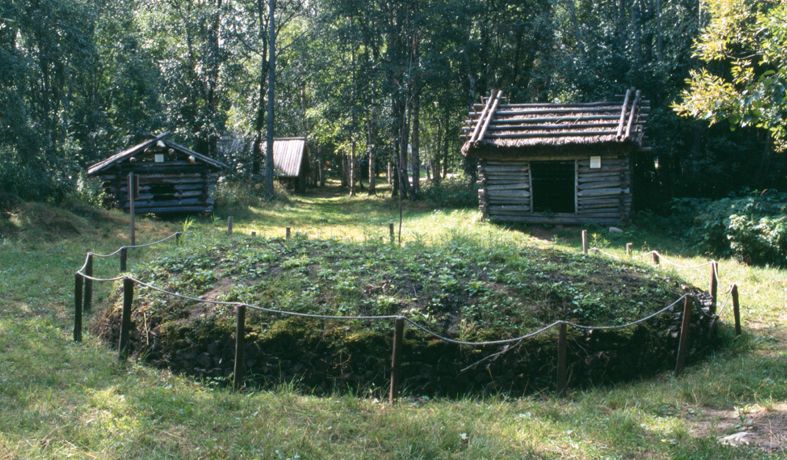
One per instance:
(84, 278)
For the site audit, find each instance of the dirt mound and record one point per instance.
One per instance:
(463, 288)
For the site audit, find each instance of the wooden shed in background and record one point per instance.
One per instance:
(555, 163)
(169, 178)
(290, 161)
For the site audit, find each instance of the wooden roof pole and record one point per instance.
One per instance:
(481, 118)
(623, 113)
(632, 114)
(490, 115)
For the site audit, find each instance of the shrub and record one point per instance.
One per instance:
(751, 227)
(238, 194)
(453, 192)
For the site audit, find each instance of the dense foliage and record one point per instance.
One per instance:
(751, 227)
(744, 49)
(375, 82)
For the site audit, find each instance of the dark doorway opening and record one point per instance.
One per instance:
(553, 186)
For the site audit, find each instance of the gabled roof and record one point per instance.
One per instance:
(287, 155)
(500, 125)
(131, 151)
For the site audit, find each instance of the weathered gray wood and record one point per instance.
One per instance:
(543, 219)
(87, 300)
(495, 187)
(562, 371)
(736, 309)
(239, 372)
(602, 192)
(512, 208)
(132, 214)
(393, 390)
(125, 321)
(683, 341)
(551, 134)
(78, 307)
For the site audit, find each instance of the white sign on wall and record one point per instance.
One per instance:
(595, 162)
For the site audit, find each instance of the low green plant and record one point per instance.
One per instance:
(453, 192)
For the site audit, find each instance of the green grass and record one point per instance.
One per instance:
(60, 399)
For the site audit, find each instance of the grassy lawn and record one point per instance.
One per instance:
(59, 399)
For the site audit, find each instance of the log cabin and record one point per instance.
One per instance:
(555, 163)
(168, 177)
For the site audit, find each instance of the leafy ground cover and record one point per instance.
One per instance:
(476, 287)
(60, 399)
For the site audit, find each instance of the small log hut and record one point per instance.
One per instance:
(290, 161)
(555, 163)
(169, 178)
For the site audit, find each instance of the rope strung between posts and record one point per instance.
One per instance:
(632, 323)
(726, 302)
(389, 317)
(679, 265)
(138, 246)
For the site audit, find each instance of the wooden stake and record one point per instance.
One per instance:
(562, 374)
(655, 257)
(736, 309)
(393, 391)
(287, 233)
(253, 233)
(585, 242)
(240, 336)
(125, 321)
(131, 195)
(123, 259)
(391, 232)
(87, 300)
(77, 307)
(229, 225)
(177, 238)
(629, 247)
(714, 286)
(684, 336)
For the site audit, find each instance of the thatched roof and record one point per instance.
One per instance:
(287, 156)
(496, 124)
(143, 148)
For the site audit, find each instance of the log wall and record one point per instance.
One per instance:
(602, 196)
(163, 188)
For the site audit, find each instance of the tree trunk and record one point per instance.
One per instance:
(370, 149)
(416, 145)
(271, 108)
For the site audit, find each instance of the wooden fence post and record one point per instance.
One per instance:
(287, 233)
(131, 195)
(177, 238)
(684, 336)
(229, 225)
(736, 309)
(562, 374)
(714, 286)
(391, 233)
(585, 242)
(77, 307)
(239, 372)
(655, 257)
(87, 300)
(629, 249)
(393, 391)
(123, 259)
(125, 321)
